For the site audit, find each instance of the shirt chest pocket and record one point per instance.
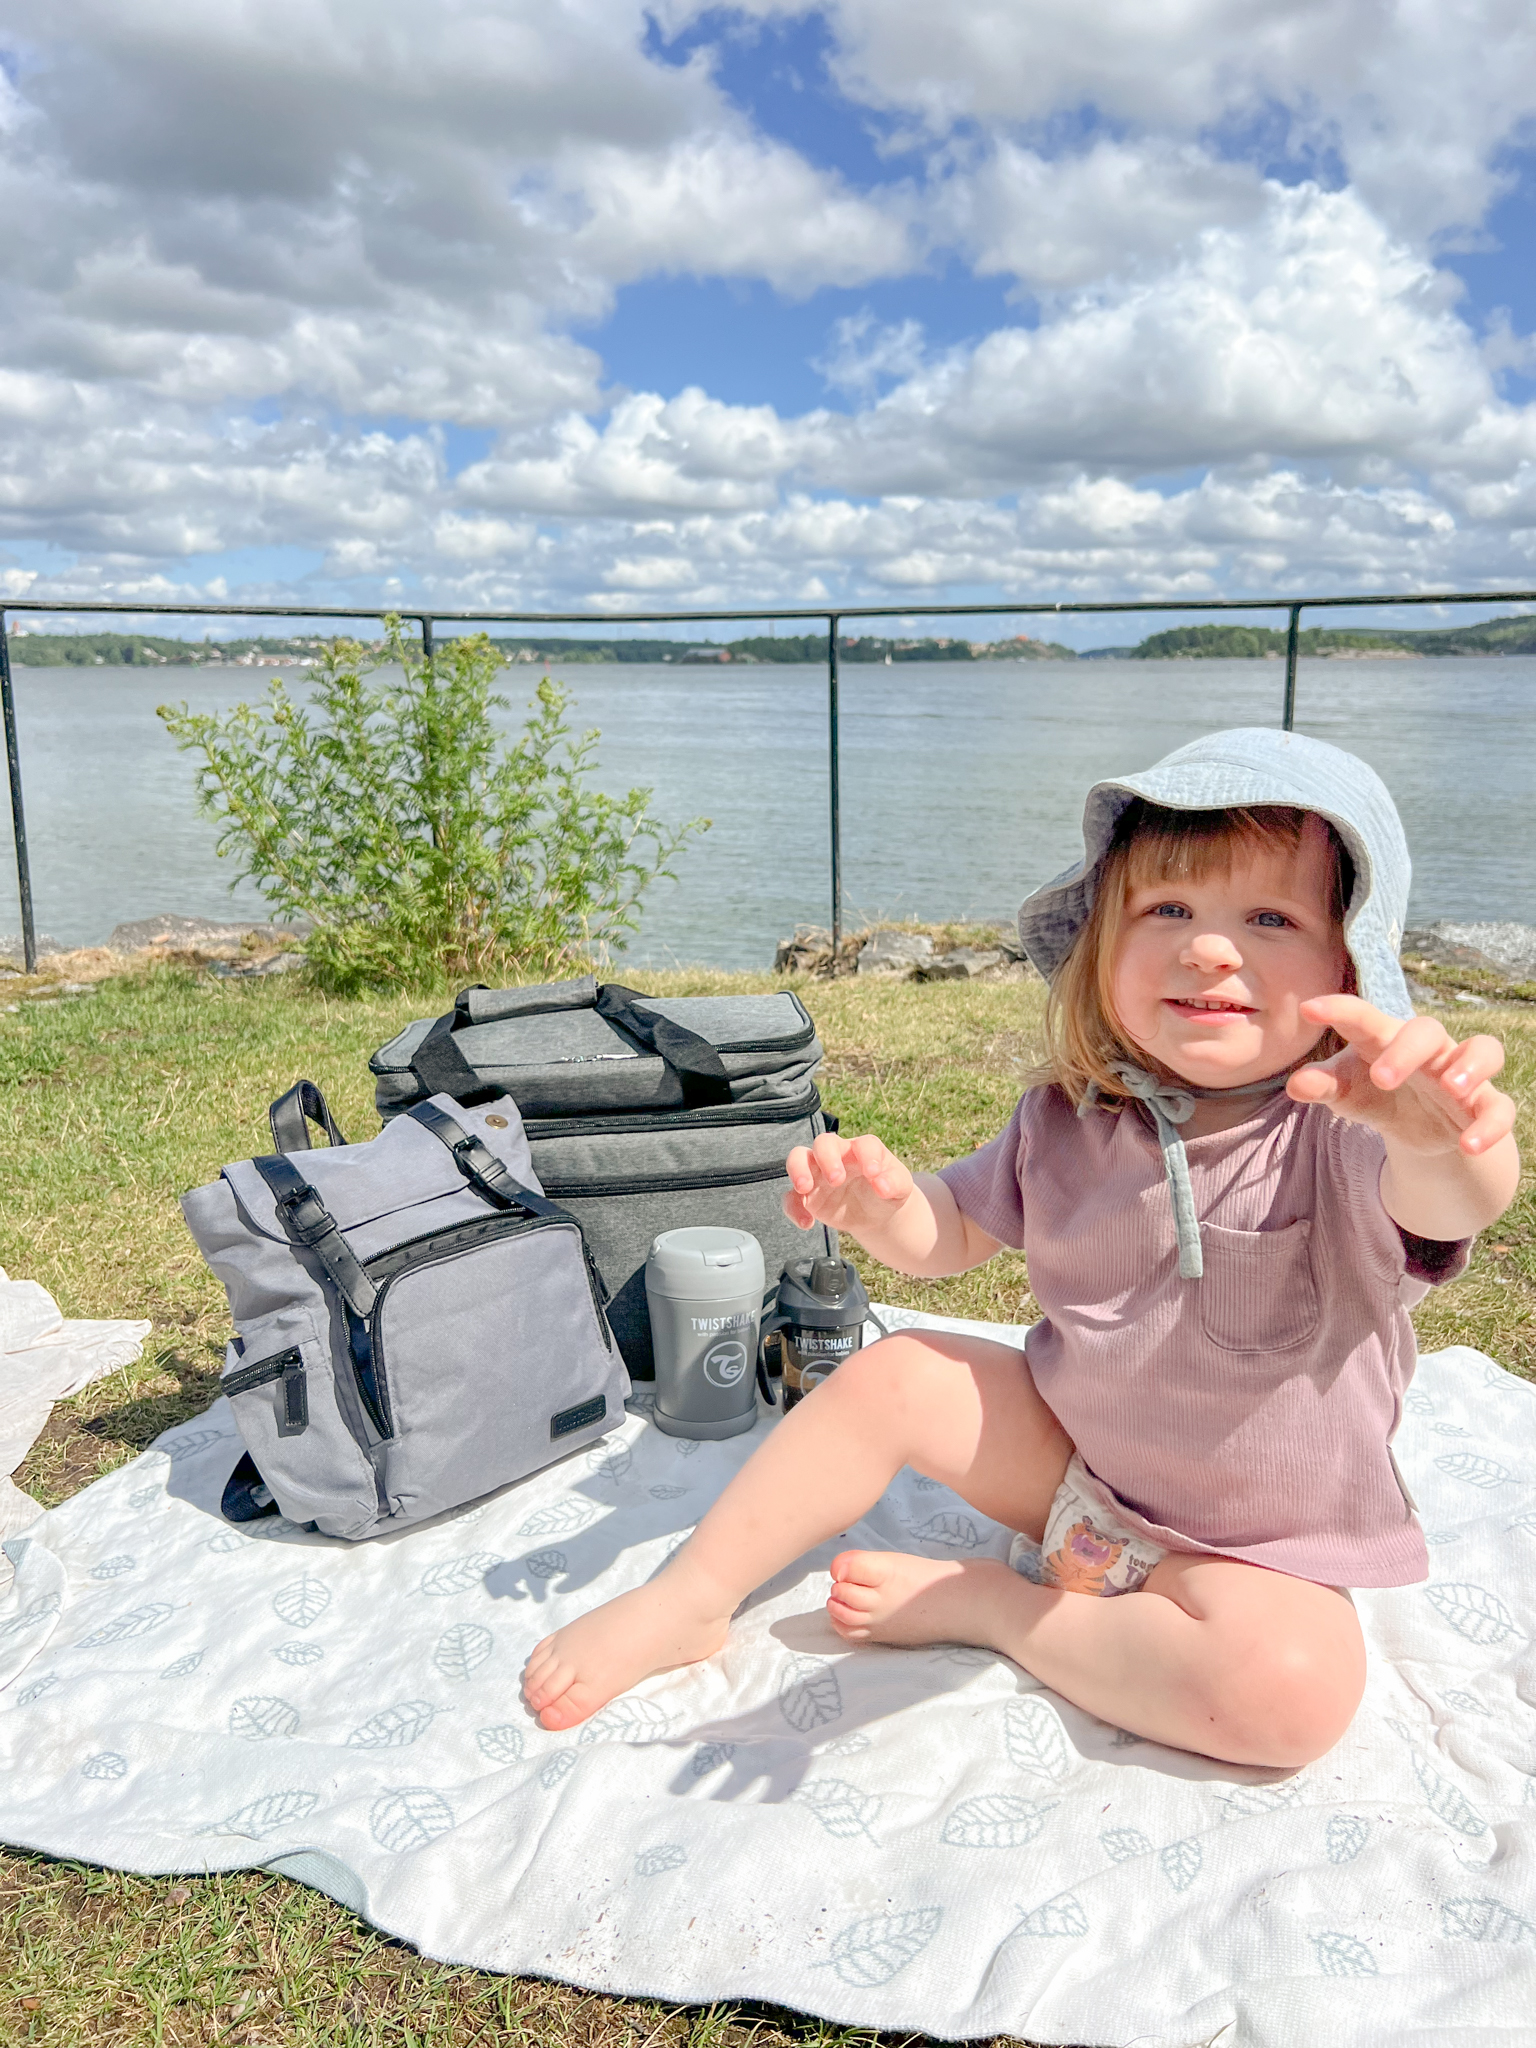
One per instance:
(1258, 1293)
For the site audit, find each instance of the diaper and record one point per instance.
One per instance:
(1085, 1549)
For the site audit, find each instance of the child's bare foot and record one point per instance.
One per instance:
(887, 1596)
(582, 1666)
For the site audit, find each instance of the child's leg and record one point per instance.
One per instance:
(960, 1409)
(1228, 1659)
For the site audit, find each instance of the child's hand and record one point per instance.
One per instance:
(851, 1184)
(1409, 1080)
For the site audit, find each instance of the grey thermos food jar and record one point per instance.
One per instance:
(704, 1288)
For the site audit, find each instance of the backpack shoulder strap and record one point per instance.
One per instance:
(309, 1223)
(481, 1168)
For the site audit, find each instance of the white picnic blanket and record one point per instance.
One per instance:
(43, 1358)
(921, 1839)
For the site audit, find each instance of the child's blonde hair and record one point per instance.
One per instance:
(1084, 1038)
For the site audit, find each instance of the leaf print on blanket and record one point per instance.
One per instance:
(122, 1628)
(37, 1689)
(1483, 1919)
(1473, 1612)
(995, 1820)
(609, 1461)
(177, 1448)
(183, 1667)
(666, 1492)
(1447, 1801)
(1244, 1801)
(560, 1518)
(105, 1764)
(1121, 1844)
(457, 1574)
(113, 1567)
(560, 1765)
(1345, 1836)
(1472, 1470)
(871, 1952)
(954, 1531)
(41, 1610)
(298, 1654)
(146, 1496)
(1062, 1915)
(302, 1601)
(627, 1720)
(409, 1819)
(545, 1564)
(226, 1545)
(396, 1727)
(810, 1696)
(843, 1810)
(462, 1649)
(265, 1816)
(1466, 1703)
(502, 1744)
(665, 1856)
(1035, 1738)
(710, 1756)
(259, 1718)
(1340, 1955)
(1180, 1862)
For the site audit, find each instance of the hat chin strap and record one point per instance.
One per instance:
(1172, 1104)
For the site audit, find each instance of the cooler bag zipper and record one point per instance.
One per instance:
(679, 1121)
(663, 1183)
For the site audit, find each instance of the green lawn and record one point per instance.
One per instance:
(110, 1107)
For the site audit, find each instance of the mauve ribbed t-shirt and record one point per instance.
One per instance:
(1248, 1414)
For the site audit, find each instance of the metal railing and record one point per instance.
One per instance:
(831, 617)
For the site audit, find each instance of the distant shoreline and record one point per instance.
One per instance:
(1514, 635)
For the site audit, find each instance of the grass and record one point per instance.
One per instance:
(110, 1107)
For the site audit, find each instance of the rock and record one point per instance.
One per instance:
(1465, 995)
(960, 964)
(244, 970)
(13, 947)
(809, 950)
(1423, 997)
(186, 934)
(1502, 948)
(894, 952)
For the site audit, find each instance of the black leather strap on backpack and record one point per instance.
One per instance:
(292, 1114)
(693, 1059)
(307, 1222)
(482, 1169)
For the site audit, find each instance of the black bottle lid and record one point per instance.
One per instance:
(822, 1294)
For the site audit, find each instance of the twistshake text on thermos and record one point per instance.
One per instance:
(704, 1289)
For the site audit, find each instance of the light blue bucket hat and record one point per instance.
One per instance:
(1225, 771)
(1253, 764)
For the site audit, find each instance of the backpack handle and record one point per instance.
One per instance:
(292, 1114)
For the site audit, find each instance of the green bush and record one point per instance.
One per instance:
(420, 843)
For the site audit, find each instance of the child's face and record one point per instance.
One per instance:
(1208, 976)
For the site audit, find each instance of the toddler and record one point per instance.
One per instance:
(1242, 1163)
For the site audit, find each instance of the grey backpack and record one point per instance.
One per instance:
(643, 1113)
(415, 1324)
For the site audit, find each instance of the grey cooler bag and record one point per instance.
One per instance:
(416, 1325)
(643, 1113)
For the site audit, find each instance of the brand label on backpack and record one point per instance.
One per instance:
(578, 1417)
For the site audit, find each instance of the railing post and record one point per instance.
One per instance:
(1292, 641)
(832, 777)
(18, 815)
(426, 642)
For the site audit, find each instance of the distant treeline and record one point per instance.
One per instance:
(1214, 642)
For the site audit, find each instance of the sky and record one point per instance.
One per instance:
(592, 305)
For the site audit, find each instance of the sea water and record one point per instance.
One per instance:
(962, 783)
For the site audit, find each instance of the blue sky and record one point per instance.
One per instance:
(609, 307)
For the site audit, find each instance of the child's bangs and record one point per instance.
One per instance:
(1164, 846)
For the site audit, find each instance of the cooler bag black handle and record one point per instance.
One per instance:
(693, 1059)
(292, 1114)
(443, 1070)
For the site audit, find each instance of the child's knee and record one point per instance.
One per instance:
(1284, 1703)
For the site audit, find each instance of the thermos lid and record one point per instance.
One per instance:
(822, 1294)
(707, 1262)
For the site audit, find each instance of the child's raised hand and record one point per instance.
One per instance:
(851, 1184)
(1409, 1080)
